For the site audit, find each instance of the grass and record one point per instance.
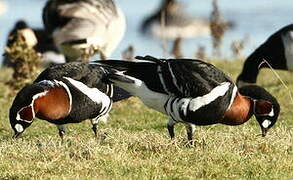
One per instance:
(137, 146)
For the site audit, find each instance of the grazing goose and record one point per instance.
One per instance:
(177, 23)
(65, 93)
(83, 26)
(189, 91)
(277, 50)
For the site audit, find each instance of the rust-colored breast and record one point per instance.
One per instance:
(240, 111)
(54, 105)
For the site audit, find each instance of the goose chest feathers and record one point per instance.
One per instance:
(188, 91)
(65, 93)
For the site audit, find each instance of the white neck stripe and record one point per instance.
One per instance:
(36, 96)
(68, 92)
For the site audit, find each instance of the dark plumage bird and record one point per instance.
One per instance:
(177, 24)
(84, 25)
(277, 50)
(36, 38)
(65, 93)
(191, 92)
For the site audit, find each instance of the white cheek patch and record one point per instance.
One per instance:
(18, 128)
(266, 123)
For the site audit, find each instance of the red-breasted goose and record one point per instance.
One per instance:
(65, 93)
(188, 91)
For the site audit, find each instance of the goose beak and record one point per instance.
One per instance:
(16, 135)
(264, 131)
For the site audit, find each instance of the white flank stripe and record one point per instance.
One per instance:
(184, 102)
(175, 113)
(233, 97)
(218, 91)
(150, 98)
(93, 93)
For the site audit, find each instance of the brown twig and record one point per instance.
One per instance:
(176, 50)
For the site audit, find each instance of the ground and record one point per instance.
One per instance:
(134, 144)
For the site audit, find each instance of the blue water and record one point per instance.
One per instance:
(256, 19)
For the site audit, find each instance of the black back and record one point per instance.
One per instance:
(83, 72)
(181, 77)
(90, 75)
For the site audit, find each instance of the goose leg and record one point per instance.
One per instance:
(190, 128)
(170, 125)
(95, 122)
(62, 130)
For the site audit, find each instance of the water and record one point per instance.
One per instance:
(256, 19)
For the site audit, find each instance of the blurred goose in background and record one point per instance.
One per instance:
(84, 26)
(277, 50)
(177, 24)
(37, 39)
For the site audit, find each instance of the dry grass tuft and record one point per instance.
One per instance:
(25, 62)
(218, 27)
(176, 50)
